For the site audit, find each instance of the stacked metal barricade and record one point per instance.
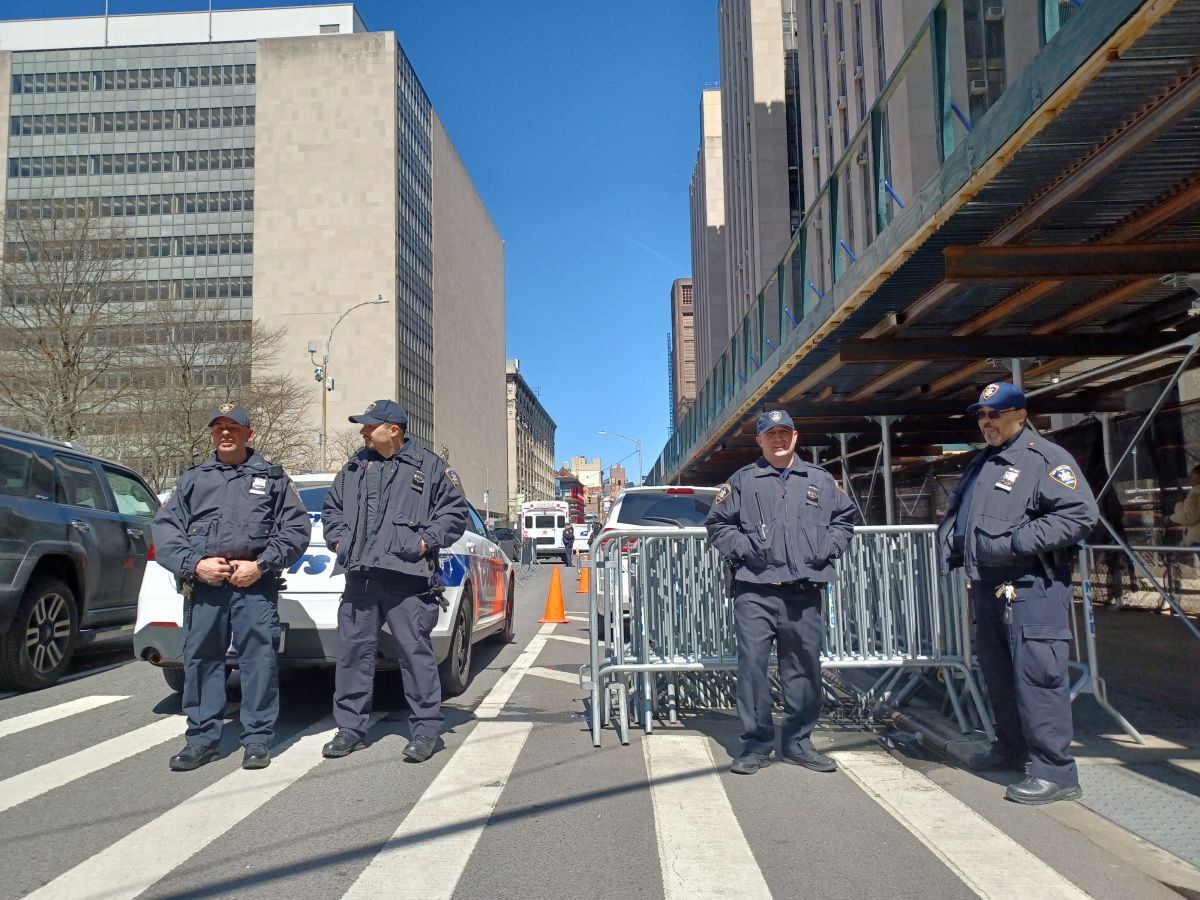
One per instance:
(662, 634)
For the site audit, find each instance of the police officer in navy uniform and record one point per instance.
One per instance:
(390, 509)
(1012, 525)
(233, 524)
(780, 522)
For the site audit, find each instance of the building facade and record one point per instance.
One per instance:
(591, 476)
(683, 348)
(710, 291)
(531, 472)
(288, 165)
(569, 489)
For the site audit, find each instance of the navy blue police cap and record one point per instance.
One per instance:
(235, 412)
(1000, 395)
(382, 411)
(774, 418)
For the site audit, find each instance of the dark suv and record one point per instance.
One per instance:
(74, 540)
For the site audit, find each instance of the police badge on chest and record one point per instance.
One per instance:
(258, 485)
(813, 497)
(1008, 479)
(418, 482)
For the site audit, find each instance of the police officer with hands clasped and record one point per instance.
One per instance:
(233, 523)
(780, 523)
(1012, 525)
(392, 506)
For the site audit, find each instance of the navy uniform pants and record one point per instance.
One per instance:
(1025, 667)
(788, 616)
(404, 602)
(252, 615)
(569, 555)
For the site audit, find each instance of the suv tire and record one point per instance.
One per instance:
(173, 676)
(47, 609)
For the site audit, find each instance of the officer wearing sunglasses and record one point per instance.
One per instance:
(1012, 524)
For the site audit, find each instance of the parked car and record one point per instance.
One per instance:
(645, 508)
(476, 574)
(74, 541)
(509, 540)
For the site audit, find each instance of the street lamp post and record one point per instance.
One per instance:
(321, 374)
(639, 449)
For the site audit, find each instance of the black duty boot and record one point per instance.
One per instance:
(995, 760)
(750, 763)
(256, 756)
(420, 748)
(193, 756)
(1035, 791)
(344, 743)
(810, 758)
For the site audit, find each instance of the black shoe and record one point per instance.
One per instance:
(193, 756)
(420, 748)
(995, 760)
(749, 763)
(344, 743)
(1035, 791)
(810, 759)
(256, 756)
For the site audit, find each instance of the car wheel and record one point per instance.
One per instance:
(509, 633)
(174, 679)
(41, 640)
(455, 669)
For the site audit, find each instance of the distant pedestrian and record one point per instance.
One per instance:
(389, 511)
(780, 523)
(568, 539)
(233, 523)
(1014, 519)
(1187, 510)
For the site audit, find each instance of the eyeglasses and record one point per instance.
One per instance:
(992, 413)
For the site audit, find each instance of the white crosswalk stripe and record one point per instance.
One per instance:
(20, 788)
(183, 831)
(53, 713)
(988, 861)
(555, 675)
(693, 817)
(570, 639)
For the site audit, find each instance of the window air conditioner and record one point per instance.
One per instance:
(858, 73)
(841, 102)
(994, 14)
(979, 88)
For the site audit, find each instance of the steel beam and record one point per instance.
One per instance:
(932, 348)
(1070, 262)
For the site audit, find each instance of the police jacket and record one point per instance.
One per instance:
(249, 511)
(781, 525)
(1028, 501)
(421, 500)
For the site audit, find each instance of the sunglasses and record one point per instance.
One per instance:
(992, 413)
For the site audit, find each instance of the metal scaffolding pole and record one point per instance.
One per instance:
(889, 498)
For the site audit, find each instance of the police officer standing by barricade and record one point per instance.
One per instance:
(780, 523)
(390, 509)
(233, 524)
(1012, 525)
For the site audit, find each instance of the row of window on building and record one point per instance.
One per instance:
(149, 291)
(114, 122)
(143, 334)
(131, 163)
(137, 248)
(150, 378)
(130, 205)
(132, 79)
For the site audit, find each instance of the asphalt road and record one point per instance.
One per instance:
(519, 804)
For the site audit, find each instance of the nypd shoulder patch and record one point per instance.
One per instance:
(723, 493)
(1065, 476)
(452, 477)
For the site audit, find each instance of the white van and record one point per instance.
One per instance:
(542, 523)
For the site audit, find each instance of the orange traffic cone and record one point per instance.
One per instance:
(555, 613)
(585, 580)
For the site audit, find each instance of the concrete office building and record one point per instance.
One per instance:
(531, 470)
(710, 290)
(759, 131)
(849, 48)
(288, 163)
(683, 352)
(591, 476)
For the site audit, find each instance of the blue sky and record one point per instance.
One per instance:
(579, 123)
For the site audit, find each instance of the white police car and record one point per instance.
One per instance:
(479, 589)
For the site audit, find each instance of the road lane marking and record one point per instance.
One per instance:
(493, 703)
(578, 618)
(570, 639)
(35, 782)
(554, 675)
(54, 713)
(431, 848)
(134, 863)
(987, 860)
(701, 847)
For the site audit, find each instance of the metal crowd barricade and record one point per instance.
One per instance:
(662, 632)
